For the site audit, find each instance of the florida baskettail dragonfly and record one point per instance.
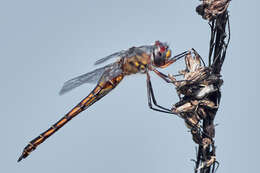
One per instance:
(131, 61)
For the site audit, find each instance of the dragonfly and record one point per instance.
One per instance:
(134, 60)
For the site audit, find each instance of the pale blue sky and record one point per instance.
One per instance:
(45, 43)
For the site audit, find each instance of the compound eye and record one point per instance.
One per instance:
(162, 49)
(158, 59)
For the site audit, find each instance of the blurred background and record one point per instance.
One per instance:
(45, 43)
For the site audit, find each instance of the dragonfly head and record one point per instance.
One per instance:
(161, 54)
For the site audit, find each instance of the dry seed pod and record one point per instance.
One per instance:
(207, 163)
(197, 81)
(210, 130)
(210, 9)
(188, 106)
(192, 121)
(206, 142)
(196, 136)
(202, 113)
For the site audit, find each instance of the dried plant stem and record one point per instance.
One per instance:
(219, 41)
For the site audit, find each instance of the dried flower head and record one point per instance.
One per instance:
(211, 9)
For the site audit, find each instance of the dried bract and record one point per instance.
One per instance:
(199, 81)
(210, 9)
(197, 105)
(208, 162)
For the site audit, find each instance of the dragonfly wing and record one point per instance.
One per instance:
(126, 53)
(114, 55)
(111, 72)
(90, 77)
(94, 76)
(102, 89)
(147, 49)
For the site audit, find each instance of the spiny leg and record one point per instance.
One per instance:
(169, 78)
(162, 75)
(151, 97)
(152, 93)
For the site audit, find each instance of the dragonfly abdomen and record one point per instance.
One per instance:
(102, 88)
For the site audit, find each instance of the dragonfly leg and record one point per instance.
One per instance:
(151, 98)
(162, 75)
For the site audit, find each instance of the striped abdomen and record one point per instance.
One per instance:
(102, 88)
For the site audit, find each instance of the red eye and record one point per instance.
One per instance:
(162, 49)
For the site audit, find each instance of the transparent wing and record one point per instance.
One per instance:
(111, 72)
(94, 76)
(147, 48)
(126, 53)
(114, 55)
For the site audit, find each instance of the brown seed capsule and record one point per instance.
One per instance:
(202, 113)
(206, 142)
(210, 9)
(196, 136)
(207, 163)
(210, 130)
